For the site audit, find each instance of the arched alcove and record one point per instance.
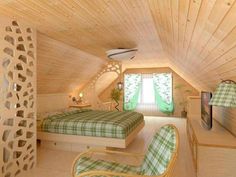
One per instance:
(104, 81)
(101, 81)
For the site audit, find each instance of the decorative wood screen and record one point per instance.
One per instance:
(89, 91)
(17, 97)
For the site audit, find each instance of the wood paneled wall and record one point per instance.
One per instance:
(177, 80)
(92, 90)
(52, 102)
(227, 117)
(62, 68)
(104, 81)
(199, 37)
(105, 95)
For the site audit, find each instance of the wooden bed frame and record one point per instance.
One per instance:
(89, 140)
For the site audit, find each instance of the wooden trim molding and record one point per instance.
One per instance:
(89, 140)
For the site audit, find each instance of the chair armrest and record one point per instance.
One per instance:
(92, 151)
(110, 174)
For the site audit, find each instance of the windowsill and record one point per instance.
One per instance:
(146, 104)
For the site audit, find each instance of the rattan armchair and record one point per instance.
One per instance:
(116, 173)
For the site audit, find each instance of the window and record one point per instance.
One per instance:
(147, 92)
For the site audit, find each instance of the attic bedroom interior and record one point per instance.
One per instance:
(127, 88)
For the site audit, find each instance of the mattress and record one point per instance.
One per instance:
(110, 124)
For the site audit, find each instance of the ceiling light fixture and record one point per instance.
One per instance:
(121, 53)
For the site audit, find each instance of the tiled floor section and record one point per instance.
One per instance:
(52, 163)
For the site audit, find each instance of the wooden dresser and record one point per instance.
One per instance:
(213, 151)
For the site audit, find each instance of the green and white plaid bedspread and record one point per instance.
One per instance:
(110, 124)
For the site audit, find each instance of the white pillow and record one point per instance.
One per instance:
(69, 110)
(41, 116)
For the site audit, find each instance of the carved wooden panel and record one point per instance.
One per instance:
(90, 94)
(110, 67)
(17, 97)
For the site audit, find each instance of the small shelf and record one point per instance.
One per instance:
(82, 105)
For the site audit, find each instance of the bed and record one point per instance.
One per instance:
(92, 127)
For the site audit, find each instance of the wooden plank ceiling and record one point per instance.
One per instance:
(62, 68)
(199, 37)
(93, 26)
(195, 37)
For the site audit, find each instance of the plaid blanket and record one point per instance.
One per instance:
(159, 152)
(86, 164)
(155, 163)
(110, 124)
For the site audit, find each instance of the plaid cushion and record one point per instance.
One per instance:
(86, 164)
(110, 124)
(224, 95)
(159, 152)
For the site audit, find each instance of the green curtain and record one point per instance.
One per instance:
(131, 91)
(163, 92)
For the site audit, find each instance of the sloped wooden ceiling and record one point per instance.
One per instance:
(197, 38)
(62, 68)
(93, 26)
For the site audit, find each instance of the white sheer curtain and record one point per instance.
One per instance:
(146, 102)
(147, 92)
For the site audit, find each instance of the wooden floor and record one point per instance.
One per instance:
(53, 163)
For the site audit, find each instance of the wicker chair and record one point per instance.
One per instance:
(158, 161)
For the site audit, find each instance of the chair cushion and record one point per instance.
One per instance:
(86, 164)
(159, 151)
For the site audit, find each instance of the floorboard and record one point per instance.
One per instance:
(52, 163)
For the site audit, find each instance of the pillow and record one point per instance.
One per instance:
(69, 110)
(43, 115)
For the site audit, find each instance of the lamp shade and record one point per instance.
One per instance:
(225, 95)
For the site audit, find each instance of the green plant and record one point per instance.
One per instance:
(115, 95)
(184, 93)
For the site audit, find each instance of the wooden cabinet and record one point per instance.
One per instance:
(194, 105)
(214, 151)
(193, 144)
